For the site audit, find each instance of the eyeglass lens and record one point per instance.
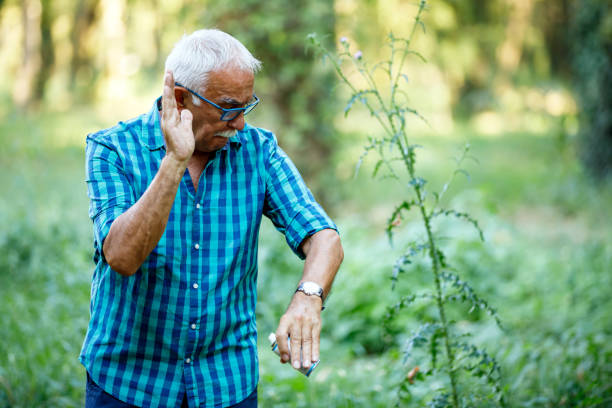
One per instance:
(231, 115)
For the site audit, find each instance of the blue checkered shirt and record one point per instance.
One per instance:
(185, 321)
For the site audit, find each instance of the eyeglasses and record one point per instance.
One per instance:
(227, 114)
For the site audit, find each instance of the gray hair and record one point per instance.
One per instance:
(196, 55)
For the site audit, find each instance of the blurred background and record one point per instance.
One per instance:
(527, 83)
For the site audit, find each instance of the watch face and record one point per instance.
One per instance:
(311, 288)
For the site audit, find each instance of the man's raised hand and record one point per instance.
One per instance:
(175, 124)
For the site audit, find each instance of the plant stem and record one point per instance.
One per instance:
(409, 162)
(450, 354)
(435, 263)
(436, 270)
(417, 21)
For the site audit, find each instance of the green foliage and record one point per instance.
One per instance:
(592, 63)
(296, 92)
(545, 265)
(552, 289)
(44, 288)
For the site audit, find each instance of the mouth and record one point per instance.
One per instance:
(226, 134)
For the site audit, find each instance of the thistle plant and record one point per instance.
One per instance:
(469, 375)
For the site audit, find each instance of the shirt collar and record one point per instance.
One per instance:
(154, 139)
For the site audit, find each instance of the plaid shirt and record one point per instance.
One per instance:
(185, 321)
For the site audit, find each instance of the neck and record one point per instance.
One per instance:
(198, 156)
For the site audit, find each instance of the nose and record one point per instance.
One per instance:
(236, 123)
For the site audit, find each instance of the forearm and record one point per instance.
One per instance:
(135, 233)
(324, 254)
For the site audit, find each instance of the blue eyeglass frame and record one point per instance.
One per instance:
(228, 114)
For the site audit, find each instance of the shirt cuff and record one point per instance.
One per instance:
(306, 222)
(102, 224)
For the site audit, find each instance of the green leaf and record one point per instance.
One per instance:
(441, 258)
(478, 363)
(421, 57)
(420, 337)
(464, 172)
(357, 96)
(406, 259)
(440, 401)
(396, 217)
(460, 215)
(358, 166)
(465, 293)
(377, 167)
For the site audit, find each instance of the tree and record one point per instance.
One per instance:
(23, 90)
(47, 50)
(592, 64)
(85, 15)
(292, 81)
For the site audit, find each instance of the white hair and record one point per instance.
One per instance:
(196, 55)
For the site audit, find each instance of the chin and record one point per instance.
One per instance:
(213, 145)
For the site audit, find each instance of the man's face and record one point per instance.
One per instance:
(229, 88)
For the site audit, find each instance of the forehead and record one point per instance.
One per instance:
(230, 83)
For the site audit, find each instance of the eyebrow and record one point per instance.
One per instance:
(234, 102)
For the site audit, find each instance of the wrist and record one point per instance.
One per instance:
(311, 291)
(302, 295)
(174, 164)
(311, 288)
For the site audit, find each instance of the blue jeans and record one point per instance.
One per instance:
(96, 397)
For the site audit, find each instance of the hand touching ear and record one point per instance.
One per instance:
(175, 124)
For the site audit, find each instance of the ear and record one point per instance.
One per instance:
(180, 96)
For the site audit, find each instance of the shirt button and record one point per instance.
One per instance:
(197, 246)
(193, 326)
(198, 205)
(195, 286)
(187, 360)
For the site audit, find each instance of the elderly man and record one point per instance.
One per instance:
(176, 199)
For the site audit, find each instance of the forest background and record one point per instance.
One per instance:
(525, 82)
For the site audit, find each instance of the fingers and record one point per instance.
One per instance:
(303, 329)
(169, 108)
(186, 118)
(316, 340)
(281, 339)
(306, 346)
(168, 101)
(296, 345)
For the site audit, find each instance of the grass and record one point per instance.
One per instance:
(545, 266)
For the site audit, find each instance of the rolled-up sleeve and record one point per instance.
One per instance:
(110, 194)
(289, 203)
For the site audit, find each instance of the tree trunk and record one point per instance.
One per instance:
(23, 89)
(47, 52)
(509, 53)
(84, 17)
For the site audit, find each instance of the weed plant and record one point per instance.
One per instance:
(465, 366)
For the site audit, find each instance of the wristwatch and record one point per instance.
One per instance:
(310, 288)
